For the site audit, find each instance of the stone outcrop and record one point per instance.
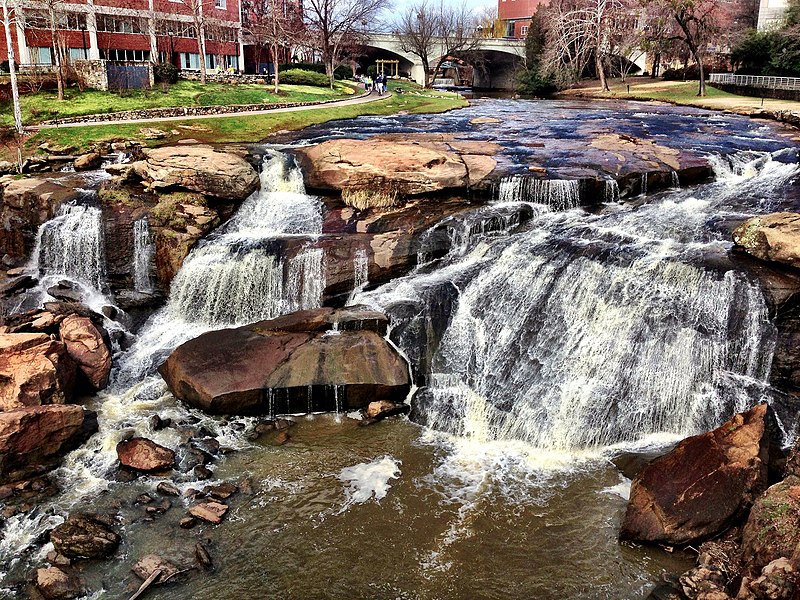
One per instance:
(198, 169)
(86, 345)
(32, 439)
(142, 454)
(55, 584)
(702, 486)
(26, 204)
(409, 164)
(84, 536)
(774, 237)
(295, 363)
(85, 162)
(34, 370)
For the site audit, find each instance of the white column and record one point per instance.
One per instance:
(91, 27)
(240, 38)
(24, 57)
(151, 31)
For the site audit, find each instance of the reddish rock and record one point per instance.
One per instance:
(85, 162)
(702, 486)
(145, 455)
(774, 237)
(279, 366)
(55, 584)
(32, 439)
(86, 346)
(34, 370)
(211, 512)
(151, 563)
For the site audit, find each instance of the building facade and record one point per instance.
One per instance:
(771, 14)
(128, 30)
(517, 15)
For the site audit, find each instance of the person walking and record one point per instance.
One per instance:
(379, 83)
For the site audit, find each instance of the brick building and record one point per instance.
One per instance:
(517, 14)
(156, 30)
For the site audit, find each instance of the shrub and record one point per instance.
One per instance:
(301, 77)
(692, 72)
(341, 72)
(363, 199)
(165, 73)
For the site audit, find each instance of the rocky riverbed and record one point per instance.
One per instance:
(544, 286)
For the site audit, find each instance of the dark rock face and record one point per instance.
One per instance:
(145, 455)
(32, 439)
(83, 536)
(295, 363)
(702, 486)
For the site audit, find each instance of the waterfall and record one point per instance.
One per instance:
(259, 265)
(584, 331)
(143, 253)
(643, 184)
(70, 246)
(558, 194)
(611, 191)
(360, 270)
(675, 180)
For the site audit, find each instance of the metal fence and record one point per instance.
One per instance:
(773, 83)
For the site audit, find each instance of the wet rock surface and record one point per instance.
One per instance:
(702, 486)
(142, 454)
(774, 237)
(294, 362)
(87, 346)
(84, 536)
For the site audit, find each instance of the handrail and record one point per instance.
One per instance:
(762, 81)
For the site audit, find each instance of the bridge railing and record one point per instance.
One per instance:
(762, 81)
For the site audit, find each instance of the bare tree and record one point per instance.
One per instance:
(12, 69)
(272, 24)
(335, 22)
(197, 13)
(434, 32)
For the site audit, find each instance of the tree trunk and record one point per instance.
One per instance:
(601, 73)
(56, 54)
(702, 89)
(656, 65)
(201, 45)
(426, 67)
(275, 63)
(12, 69)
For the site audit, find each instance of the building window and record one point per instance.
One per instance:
(220, 4)
(78, 54)
(178, 29)
(117, 24)
(125, 55)
(39, 19)
(41, 56)
(524, 30)
(221, 34)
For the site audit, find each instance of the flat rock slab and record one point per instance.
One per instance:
(774, 237)
(310, 360)
(702, 486)
(211, 512)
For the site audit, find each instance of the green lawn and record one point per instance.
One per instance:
(44, 105)
(254, 128)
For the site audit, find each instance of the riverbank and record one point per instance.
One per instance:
(683, 93)
(405, 98)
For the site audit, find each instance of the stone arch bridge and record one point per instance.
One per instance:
(501, 59)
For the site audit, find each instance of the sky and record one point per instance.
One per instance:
(399, 5)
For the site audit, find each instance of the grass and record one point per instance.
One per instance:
(44, 105)
(362, 199)
(254, 128)
(683, 93)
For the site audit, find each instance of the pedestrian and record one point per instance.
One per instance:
(368, 83)
(385, 82)
(379, 83)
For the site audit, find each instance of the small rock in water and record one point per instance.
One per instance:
(188, 522)
(157, 423)
(246, 487)
(381, 409)
(203, 556)
(58, 560)
(212, 512)
(702, 580)
(165, 488)
(202, 473)
(152, 563)
(145, 455)
(209, 445)
(55, 584)
(143, 499)
(282, 438)
(281, 424)
(223, 491)
(83, 536)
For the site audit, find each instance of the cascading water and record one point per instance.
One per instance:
(558, 194)
(611, 191)
(71, 246)
(585, 331)
(143, 253)
(360, 270)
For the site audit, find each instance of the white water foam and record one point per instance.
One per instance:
(368, 481)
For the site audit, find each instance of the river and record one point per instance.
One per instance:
(542, 350)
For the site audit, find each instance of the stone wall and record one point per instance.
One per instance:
(223, 77)
(95, 72)
(757, 92)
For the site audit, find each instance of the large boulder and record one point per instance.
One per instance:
(705, 484)
(34, 370)
(32, 439)
(774, 237)
(308, 361)
(773, 527)
(55, 584)
(84, 536)
(145, 455)
(198, 169)
(87, 347)
(408, 164)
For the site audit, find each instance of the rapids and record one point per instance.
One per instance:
(542, 348)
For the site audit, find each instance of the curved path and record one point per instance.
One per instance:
(362, 99)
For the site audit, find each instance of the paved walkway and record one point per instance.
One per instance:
(362, 99)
